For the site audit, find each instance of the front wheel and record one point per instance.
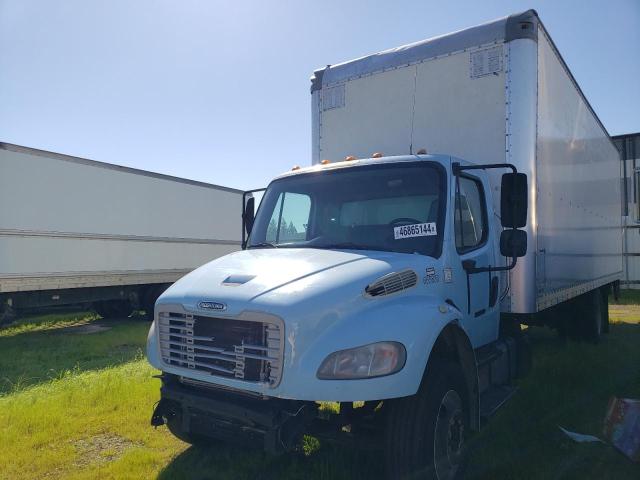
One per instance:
(426, 433)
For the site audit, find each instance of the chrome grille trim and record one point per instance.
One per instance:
(249, 347)
(392, 283)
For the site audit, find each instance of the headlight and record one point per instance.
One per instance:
(373, 360)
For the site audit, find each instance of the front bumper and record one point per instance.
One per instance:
(272, 424)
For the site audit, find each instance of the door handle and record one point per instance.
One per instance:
(493, 292)
(468, 265)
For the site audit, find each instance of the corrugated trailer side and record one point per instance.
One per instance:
(498, 92)
(578, 171)
(70, 227)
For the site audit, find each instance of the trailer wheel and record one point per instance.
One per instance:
(149, 299)
(605, 309)
(591, 316)
(110, 309)
(426, 432)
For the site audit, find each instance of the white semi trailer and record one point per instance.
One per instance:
(77, 231)
(461, 186)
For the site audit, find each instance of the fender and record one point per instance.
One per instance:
(453, 343)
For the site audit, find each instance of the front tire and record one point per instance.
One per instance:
(426, 432)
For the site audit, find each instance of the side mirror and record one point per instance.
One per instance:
(513, 201)
(249, 214)
(513, 243)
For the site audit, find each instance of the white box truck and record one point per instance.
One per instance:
(461, 186)
(77, 231)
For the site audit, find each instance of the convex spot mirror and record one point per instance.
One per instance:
(513, 201)
(513, 243)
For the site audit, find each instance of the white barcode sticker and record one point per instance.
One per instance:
(415, 230)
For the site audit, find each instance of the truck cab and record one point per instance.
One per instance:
(358, 280)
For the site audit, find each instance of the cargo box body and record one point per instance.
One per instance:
(498, 92)
(70, 223)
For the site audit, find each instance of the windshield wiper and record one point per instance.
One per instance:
(351, 246)
(263, 245)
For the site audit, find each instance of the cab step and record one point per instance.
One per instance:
(492, 399)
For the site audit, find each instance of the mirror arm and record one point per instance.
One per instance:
(514, 260)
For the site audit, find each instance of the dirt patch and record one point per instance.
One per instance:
(101, 448)
(87, 329)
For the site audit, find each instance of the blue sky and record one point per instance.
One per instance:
(218, 91)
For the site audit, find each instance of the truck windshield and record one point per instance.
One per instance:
(390, 207)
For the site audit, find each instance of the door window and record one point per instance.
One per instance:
(470, 221)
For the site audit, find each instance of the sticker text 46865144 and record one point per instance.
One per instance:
(415, 230)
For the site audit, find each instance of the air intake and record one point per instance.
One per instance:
(392, 283)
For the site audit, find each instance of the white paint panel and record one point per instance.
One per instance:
(458, 115)
(578, 177)
(37, 255)
(72, 219)
(376, 117)
(47, 194)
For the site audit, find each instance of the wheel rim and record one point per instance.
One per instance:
(448, 444)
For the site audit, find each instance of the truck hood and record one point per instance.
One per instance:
(245, 276)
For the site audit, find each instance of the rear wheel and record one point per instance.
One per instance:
(584, 318)
(590, 316)
(426, 432)
(605, 308)
(592, 319)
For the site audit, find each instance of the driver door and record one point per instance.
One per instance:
(472, 239)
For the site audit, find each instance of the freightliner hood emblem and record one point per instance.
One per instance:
(212, 306)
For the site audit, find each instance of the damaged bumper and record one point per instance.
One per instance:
(272, 424)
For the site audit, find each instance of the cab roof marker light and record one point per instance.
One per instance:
(377, 155)
(325, 162)
(296, 167)
(422, 151)
(349, 158)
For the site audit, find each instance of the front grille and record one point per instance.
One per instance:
(248, 350)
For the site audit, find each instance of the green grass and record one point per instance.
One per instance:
(627, 297)
(77, 406)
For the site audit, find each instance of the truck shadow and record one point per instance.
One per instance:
(35, 350)
(570, 385)
(226, 462)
